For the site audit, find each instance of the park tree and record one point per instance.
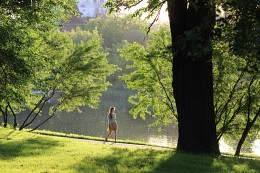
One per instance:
(239, 27)
(75, 72)
(251, 112)
(35, 56)
(18, 19)
(233, 85)
(192, 28)
(191, 25)
(236, 100)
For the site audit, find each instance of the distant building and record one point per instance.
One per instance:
(92, 8)
(88, 9)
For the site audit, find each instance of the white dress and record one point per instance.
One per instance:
(112, 123)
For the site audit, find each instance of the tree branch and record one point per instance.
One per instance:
(250, 98)
(155, 19)
(36, 115)
(133, 5)
(164, 89)
(15, 122)
(54, 111)
(229, 98)
(29, 115)
(225, 125)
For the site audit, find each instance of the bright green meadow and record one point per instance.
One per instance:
(24, 152)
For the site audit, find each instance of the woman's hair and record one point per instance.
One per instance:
(110, 111)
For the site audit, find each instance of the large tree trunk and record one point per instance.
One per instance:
(192, 75)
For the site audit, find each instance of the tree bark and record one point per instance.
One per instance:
(245, 133)
(192, 76)
(249, 123)
(54, 111)
(5, 114)
(15, 121)
(242, 139)
(31, 112)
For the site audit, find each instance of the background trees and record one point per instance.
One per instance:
(114, 30)
(239, 28)
(75, 72)
(236, 99)
(151, 78)
(36, 57)
(20, 21)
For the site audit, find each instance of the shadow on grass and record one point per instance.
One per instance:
(125, 160)
(25, 147)
(6, 136)
(181, 162)
(185, 163)
(120, 160)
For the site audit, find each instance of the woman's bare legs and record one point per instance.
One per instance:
(109, 133)
(115, 136)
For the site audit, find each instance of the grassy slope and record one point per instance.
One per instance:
(29, 152)
(111, 138)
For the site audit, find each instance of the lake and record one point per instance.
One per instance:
(93, 122)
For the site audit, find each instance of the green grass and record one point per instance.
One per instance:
(23, 152)
(70, 135)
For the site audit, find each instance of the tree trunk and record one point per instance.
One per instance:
(5, 114)
(54, 111)
(39, 105)
(249, 125)
(192, 76)
(242, 140)
(194, 99)
(5, 121)
(31, 112)
(15, 121)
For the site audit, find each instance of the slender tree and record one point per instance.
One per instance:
(74, 72)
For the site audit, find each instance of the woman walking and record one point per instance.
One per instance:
(112, 124)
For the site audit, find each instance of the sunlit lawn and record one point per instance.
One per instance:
(23, 152)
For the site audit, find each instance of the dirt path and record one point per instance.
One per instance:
(118, 144)
(125, 145)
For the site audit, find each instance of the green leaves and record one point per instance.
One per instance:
(77, 70)
(21, 26)
(241, 29)
(237, 69)
(151, 78)
(36, 57)
(115, 29)
(235, 105)
(148, 8)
